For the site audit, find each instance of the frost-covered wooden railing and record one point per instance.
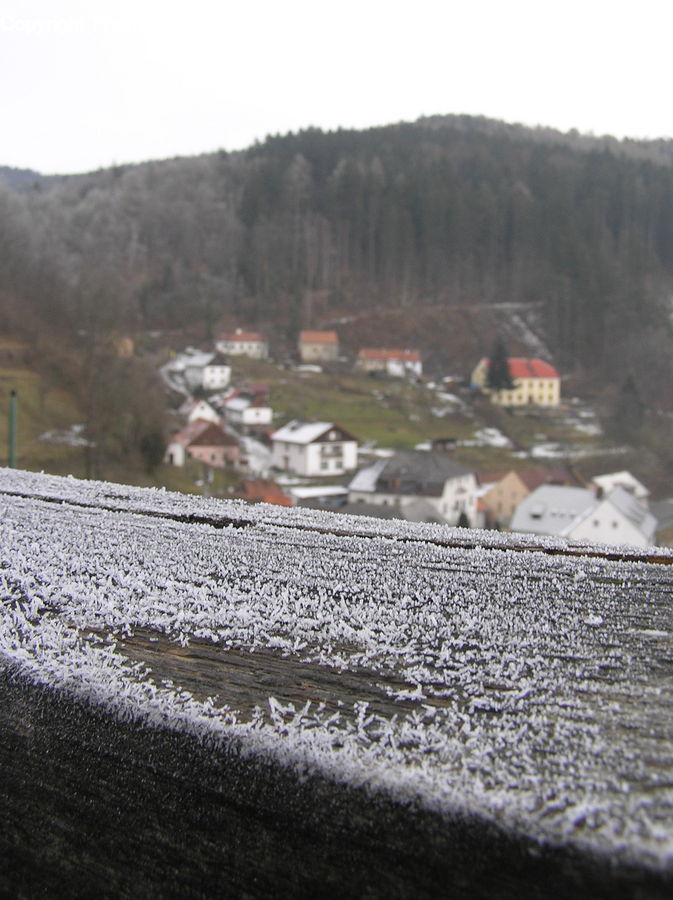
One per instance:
(202, 695)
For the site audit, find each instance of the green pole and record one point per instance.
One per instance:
(11, 454)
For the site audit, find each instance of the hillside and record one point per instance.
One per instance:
(443, 214)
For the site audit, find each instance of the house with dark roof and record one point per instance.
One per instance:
(421, 486)
(203, 441)
(535, 382)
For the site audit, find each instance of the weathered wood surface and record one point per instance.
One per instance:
(195, 695)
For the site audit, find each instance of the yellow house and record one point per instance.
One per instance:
(535, 382)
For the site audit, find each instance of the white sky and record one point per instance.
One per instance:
(87, 85)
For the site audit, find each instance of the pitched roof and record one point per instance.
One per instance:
(409, 472)
(533, 478)
(218, 359)
(531, 368)
(378, 353)
(520, 367)
(318, 337)
(300, 432)
(190, 432)
(262, 490)
(240, 335)
(623, 479)
(634, 511)
(552, 509)
(213, 436)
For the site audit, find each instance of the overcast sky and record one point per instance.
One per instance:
(86, 85)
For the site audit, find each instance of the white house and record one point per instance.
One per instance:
(247, 410)
(607, 483)
(243, 343)
(578, 514)
(314, 448)
(422, 485)
(398, 363)
(192, 410)
(216, 373)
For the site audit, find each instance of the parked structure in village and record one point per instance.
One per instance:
(243, 343)
(422, 485)
(398, 363)
(314, 448)
(318, 346)
(534, 382)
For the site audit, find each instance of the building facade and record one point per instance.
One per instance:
(314, 449)
(535, 383)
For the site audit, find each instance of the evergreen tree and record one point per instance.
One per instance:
(628, 413)
(499, 378)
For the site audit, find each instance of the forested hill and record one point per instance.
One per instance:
(445, 213)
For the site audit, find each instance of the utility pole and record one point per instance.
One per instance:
(11, 448)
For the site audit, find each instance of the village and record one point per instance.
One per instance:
(240, 445)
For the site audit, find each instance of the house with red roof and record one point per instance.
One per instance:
(243, 343)
(318, 346)
(261, 490)
(393, 362)
(535, 383)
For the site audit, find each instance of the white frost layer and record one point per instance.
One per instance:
(542, 680)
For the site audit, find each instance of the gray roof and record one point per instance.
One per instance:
(634, 510)
(416, 472)
(552, 509)
(663, 512)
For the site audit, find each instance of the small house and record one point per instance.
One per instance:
(216, 373)
(314, 448)
(578, 514)
(398, 363)
(534, 382)
(501, 493)
(318, 346)
(247, 409)
(243, 343)
(204, 441)
(422, 485)
(193, 410)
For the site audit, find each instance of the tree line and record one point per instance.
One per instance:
(304, 227)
